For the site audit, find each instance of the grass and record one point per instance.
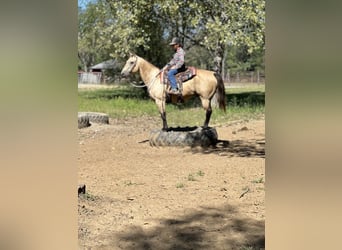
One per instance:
(200, 173)
(130, 183)
(260, 180)
(179, 185)
(248, 88)
(126, 101)
(191, 177)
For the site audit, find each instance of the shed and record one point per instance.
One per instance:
(109, 64)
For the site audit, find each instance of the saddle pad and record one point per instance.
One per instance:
(189, 73)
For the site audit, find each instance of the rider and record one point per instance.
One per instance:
(176, 65)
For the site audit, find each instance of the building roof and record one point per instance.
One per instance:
(109, 64)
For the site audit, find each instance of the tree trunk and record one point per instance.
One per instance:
(218, 59)
(224, 74)
(218, 63)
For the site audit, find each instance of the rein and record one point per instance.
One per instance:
(152, 82)
(142, 86)
(130, 70)
(137, 86)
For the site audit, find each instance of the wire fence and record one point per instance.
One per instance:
(244, 77)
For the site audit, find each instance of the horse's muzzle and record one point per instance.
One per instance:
(124, 74)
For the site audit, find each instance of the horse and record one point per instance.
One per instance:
(204, 84)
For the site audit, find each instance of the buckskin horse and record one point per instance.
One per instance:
(204, 84)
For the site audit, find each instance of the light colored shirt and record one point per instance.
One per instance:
(178, 58)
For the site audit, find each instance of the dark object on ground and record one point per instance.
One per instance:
(81, 189)
(188, 136)
(96, 117)
(83, 121)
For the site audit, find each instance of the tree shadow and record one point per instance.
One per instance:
(125, 93)
(251, 98)
(204, 228)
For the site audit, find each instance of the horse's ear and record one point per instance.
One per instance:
(131, 53)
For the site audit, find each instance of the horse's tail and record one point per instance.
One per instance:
(221, 94)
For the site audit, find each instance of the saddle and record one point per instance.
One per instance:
(181, 77)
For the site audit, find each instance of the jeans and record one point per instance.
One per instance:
(171, 75)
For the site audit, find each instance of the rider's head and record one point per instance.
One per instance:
(175, 43)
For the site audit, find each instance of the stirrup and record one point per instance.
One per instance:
(174, 91)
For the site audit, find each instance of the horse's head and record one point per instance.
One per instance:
(131, 65)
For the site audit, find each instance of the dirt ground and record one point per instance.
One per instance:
(143, 197)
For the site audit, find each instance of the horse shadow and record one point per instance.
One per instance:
(182, 129)
(248, 98)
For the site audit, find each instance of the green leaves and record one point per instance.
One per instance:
(112, 28)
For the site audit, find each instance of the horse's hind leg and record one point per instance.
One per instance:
(207, 117)
(207, 106)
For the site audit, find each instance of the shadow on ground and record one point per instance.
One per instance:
(236, 148)
(206, 228)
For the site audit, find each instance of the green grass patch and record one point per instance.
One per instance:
(200, 173)
(179, 185)
(191, 177)
(250, 88)
(126, 101)
(260, 180)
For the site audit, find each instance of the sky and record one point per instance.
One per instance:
(83, 3)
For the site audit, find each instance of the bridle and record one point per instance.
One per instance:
(141, 86)
(151, 83)
(133, 64)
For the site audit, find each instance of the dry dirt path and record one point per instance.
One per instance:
(141, 197)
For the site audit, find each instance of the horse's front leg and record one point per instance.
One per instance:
(207, 106)
(163, 116)
(161, 108)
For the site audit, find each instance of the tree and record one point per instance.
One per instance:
(87, 36)
(147, 26)
(216, 24)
